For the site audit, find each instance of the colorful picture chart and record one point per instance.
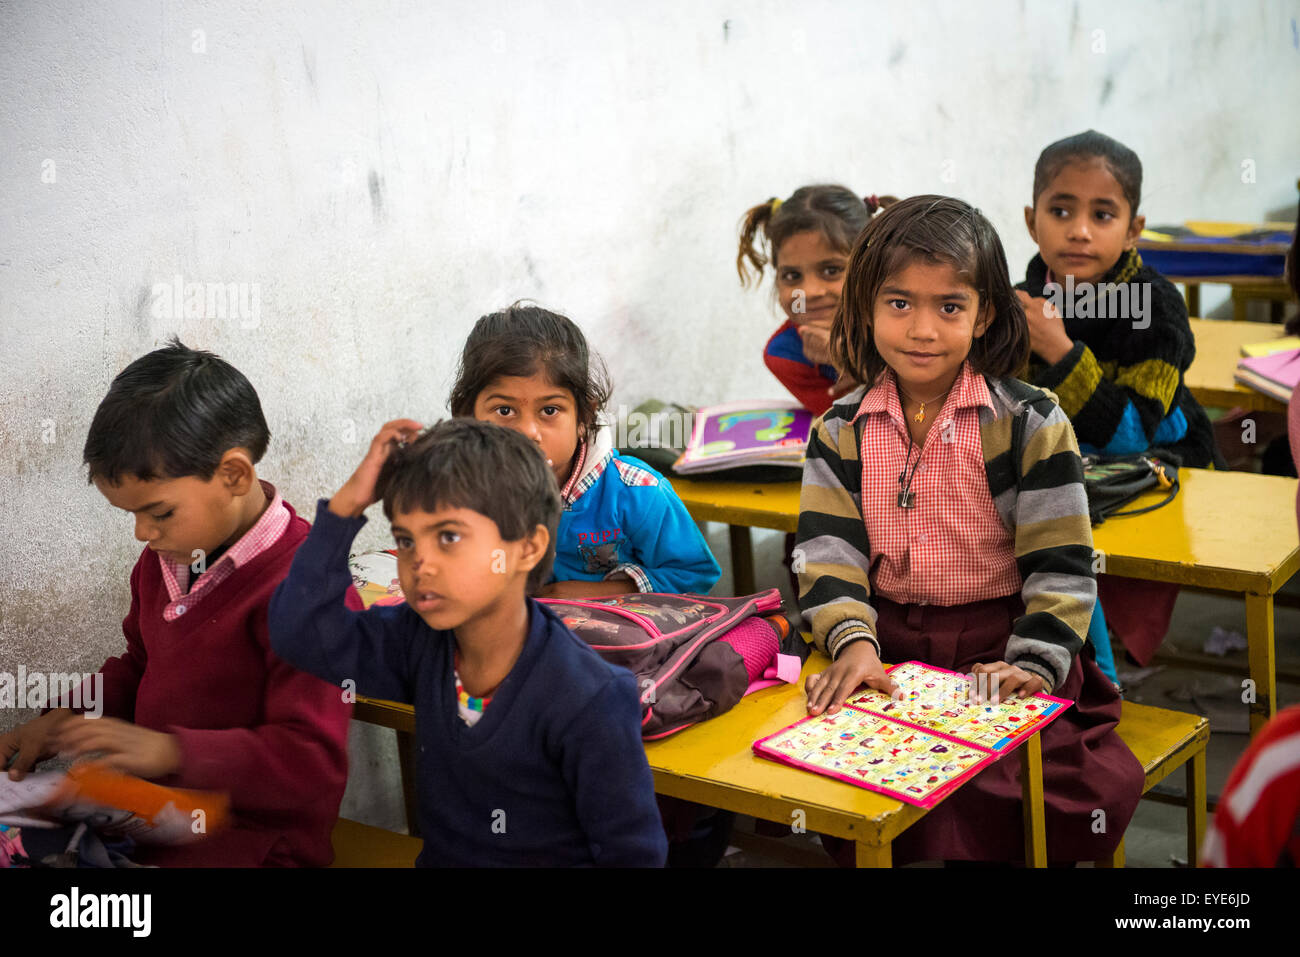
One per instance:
(917, 746)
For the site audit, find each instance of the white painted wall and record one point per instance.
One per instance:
(388, 171)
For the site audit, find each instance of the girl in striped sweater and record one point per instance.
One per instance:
(943, 519)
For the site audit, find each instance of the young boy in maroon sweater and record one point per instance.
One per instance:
(199, 700)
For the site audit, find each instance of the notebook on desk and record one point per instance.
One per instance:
(745, 434)
(1274, 375)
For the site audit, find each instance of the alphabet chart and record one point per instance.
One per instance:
(917, 746)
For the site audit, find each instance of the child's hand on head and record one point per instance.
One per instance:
(1047, 335)
(1004, 681)
(28, 744)
(358, 492)
(123, 746)
(858, 664)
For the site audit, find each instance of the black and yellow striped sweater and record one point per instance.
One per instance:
(1122, 383)
(1040, 499)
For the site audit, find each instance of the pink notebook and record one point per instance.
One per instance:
(1275, 375)
(919, 746)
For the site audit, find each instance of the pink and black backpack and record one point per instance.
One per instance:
(694, 656)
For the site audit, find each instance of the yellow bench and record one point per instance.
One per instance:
(1163, 741)
(360, 845)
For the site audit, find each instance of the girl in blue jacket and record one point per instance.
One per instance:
(623, 528)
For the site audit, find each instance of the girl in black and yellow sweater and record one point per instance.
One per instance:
(1110, 337)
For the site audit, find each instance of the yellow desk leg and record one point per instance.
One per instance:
(1263, 659)
(1195, 807)
(1117, 859)
(869, 855)
(1031, 789)
(742, 560)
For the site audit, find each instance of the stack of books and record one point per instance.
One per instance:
(1272, 367)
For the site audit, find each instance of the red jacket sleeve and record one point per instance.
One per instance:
(1257, 822)
(802, 380)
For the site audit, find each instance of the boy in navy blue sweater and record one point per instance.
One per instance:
(529, 743)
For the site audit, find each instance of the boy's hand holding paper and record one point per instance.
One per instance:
(29, 744)
(122, 746)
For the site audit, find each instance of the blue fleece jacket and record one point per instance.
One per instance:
(621, 518)
(553, 774)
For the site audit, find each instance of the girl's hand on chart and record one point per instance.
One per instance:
(856, 665)
(1004, 681)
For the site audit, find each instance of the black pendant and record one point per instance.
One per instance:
(906, 499)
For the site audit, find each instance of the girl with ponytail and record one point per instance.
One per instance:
(806, 240)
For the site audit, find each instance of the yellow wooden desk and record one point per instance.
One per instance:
(1226, 531)
(713, 763)
(1218, 349)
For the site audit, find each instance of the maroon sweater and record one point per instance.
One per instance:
(273, 737)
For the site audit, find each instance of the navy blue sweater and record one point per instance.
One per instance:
(553, 774)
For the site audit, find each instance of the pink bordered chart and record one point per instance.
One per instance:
(917, 746)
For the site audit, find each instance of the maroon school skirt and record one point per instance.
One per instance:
(1086, 767)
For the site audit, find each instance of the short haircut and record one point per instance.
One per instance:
(933, 229)
(523, 340)
(1122, 162)
(835, 212)
(174, 413)
(486, 468)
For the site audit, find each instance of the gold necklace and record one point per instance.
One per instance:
(920, 415)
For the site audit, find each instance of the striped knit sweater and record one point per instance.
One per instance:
(1040, 499)
(1122, 386)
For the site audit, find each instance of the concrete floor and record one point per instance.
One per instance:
(1156, 837)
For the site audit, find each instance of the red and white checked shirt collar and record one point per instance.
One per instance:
(952, 547)
(265, 532)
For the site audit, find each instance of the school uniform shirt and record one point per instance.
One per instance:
(1122, 386)
(951, 548)
(1039, 500)
(553, 773)
(199, 666)
(622, 519)
(809, 382)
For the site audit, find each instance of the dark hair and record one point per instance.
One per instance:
(522, 340)
(174, 413)
(1122, 162)
(486, 468)
(935, 229)
(837, 213)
